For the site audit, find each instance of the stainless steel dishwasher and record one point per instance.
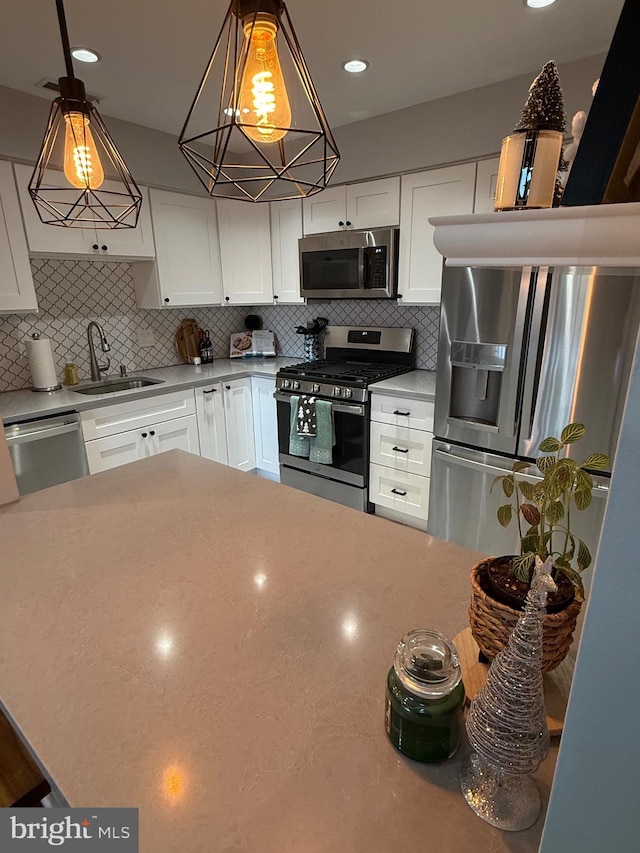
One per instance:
(47, 451)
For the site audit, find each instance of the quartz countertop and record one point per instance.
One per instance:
(212, 648)
(420, 384)
(21, 405)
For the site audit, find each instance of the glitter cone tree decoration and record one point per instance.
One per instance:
(531, 157)
(507, 724)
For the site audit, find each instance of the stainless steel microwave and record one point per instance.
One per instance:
(350, 264)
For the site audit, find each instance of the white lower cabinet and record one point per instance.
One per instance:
(400, 467)
(121, 448)
(211, 422)
(238, 415)
(265, 426)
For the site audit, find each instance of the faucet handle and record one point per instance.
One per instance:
(123, 370)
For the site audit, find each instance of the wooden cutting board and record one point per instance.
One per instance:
(187, 340)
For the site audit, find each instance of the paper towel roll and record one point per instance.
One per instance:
(41, 365)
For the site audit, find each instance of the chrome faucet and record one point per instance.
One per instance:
(96, 367)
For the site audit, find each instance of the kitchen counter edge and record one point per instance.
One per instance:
(418, 384)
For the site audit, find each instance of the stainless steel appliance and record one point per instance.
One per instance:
(47, 451)
(350, 264)
(521, 353)
(355, 357)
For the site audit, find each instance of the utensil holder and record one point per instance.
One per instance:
(311, 347)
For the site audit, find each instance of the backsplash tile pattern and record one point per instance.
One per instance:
(71, 293)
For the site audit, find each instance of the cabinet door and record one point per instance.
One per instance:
(115, 450)
(238, 411)
(325, 211)
(180, 434)
(211, 423)
(187, 268)
(374, 204)
(438, 192)
(286, 230)
(245, 250)
(17, 292)
(126, 243)
(486, 180)
(265, 425)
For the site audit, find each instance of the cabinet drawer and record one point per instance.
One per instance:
(406, 493)
(402, 411)
(401, 448)
(111, 420)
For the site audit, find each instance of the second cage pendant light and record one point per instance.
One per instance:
(80, 179)
(270, 140)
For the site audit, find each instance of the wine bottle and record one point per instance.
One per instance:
(208, 349)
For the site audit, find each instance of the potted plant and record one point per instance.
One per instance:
(543, 512)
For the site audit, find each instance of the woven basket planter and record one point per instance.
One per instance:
(492, 622)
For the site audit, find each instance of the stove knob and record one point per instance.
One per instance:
(348, 392)
(315, 388)
(337, 392)
(286, 383)
(295, 385)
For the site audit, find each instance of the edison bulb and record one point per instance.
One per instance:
(263, 104)
(82, 166)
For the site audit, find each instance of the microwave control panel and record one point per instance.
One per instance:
(375, 265)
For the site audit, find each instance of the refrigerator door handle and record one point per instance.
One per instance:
(534, 353)
(599, 490)
(513, 391)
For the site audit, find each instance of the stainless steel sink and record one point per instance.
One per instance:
(113, 386)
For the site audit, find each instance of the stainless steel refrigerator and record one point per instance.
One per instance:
(521, 353)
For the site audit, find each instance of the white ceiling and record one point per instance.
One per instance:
(154, 52)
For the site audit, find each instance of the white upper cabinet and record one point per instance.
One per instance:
(438, 192)
(486, 180)
(286, 230)
(17, 293)
(53, 241)
(187, 267)
(373, 204)
(245, 251)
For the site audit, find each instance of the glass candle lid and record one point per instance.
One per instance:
(427, 664)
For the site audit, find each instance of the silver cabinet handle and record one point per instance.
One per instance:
(401, 449)
(398, 492)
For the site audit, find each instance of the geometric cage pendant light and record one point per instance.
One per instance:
(80, 180)
(256, 130)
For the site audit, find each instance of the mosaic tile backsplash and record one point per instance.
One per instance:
(71, 293)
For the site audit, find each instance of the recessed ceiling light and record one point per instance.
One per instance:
(538, 4)
(355, 66)
(84, 54)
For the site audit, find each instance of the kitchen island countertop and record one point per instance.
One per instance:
(419, 384)
(212, 648)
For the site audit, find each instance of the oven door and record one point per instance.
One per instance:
(351, 448)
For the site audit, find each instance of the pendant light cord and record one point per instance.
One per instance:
(64, 35)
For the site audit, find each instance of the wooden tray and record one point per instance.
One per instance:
(557, 683)
(187, 339)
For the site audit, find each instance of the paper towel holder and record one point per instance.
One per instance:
(36, 337)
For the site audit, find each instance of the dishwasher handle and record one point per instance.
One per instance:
(24, 433)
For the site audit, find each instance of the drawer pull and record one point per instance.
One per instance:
(401, 449)
(211, 391)
(404, 414)
(398, 492)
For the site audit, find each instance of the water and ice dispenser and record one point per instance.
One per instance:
(476, 382)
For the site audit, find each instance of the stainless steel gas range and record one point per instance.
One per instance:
(355, 358)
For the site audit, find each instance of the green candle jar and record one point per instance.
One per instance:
(425, 697)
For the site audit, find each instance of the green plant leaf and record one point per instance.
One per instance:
(549, 445)
(520, 466)
(554, 512)
(538, 493)
(522, 566)
(584, 480)
(597, 461)
(552, 489)
(530, 513)
(562, 562)
(527, 490)
(572, 432)
(584, 556)
(529, 543)
(545, 463)
(504, 514)
(508, 486)
(496, 480)
(575, 579)
(582, 498)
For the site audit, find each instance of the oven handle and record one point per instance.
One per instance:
(346, 408)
